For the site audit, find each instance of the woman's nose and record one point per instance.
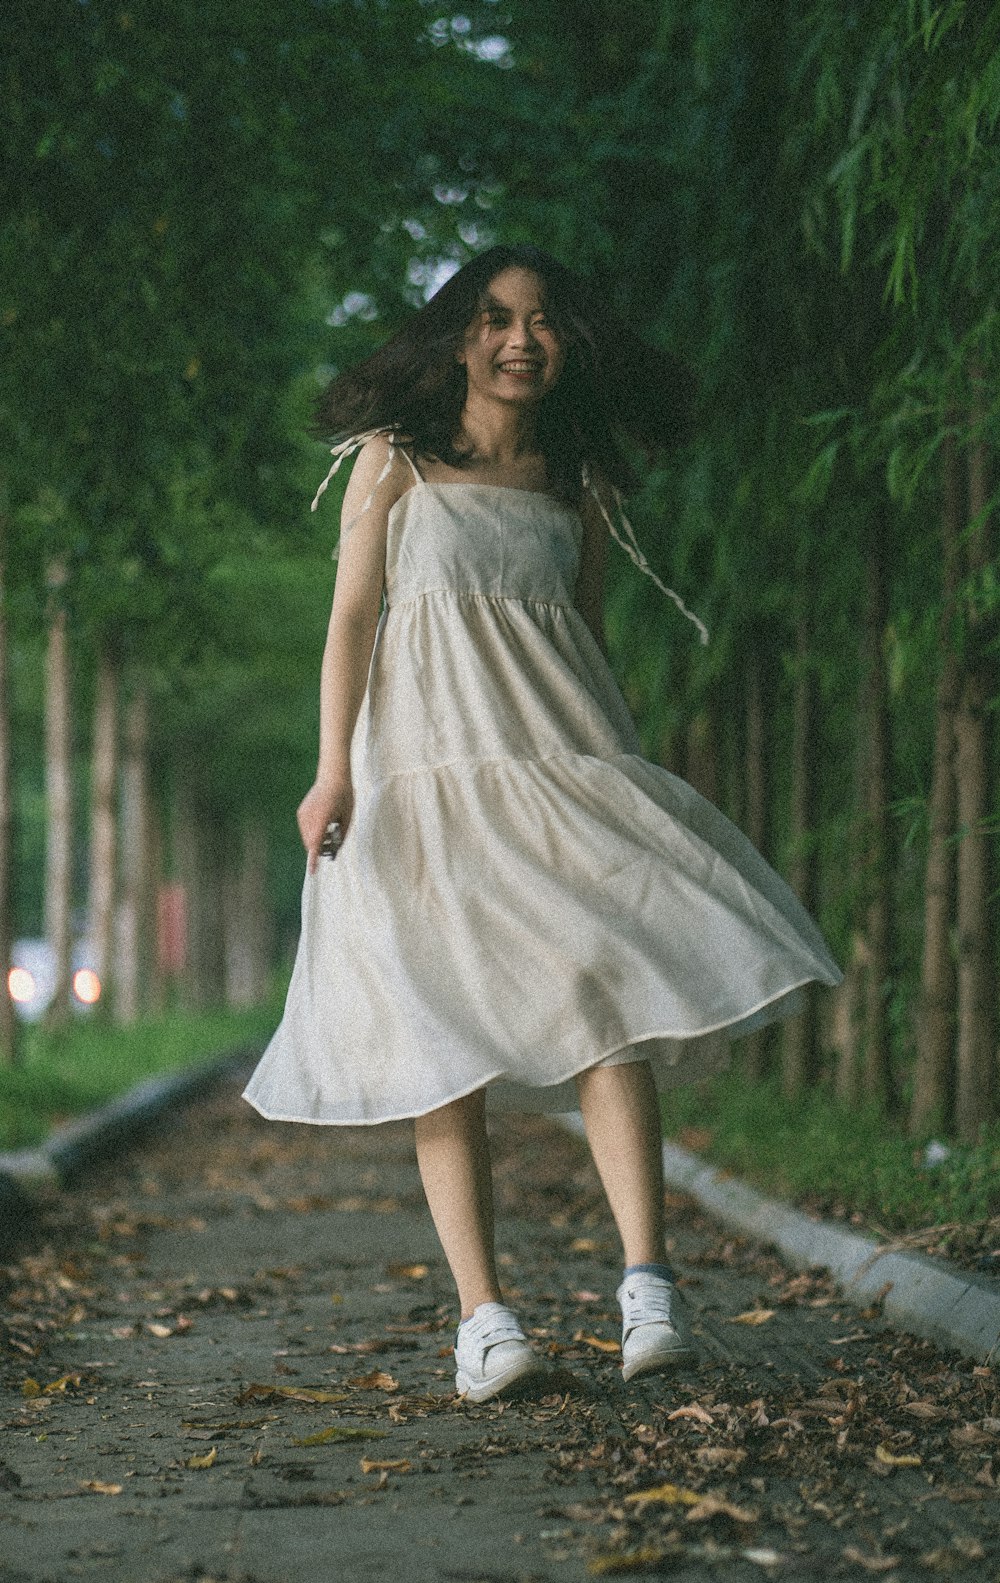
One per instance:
(523, 335)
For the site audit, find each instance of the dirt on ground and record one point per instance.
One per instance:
(228, 1356)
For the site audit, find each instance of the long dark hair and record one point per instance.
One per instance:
(613, 385)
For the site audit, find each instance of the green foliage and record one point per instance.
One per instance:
(186, 199)
(64, 1075)
(833, 1158)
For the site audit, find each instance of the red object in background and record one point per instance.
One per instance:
(171, 927)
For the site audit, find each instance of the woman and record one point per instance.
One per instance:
(520, 899)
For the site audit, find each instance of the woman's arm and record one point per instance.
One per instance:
(589, 597)
(349, 642)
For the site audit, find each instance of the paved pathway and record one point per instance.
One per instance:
(169, 1326)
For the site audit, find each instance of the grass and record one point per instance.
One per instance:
(850, 1163)
(60, 1076)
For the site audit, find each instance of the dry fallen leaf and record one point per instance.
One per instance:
(624, 1561)
(98, 1487)
(377, 1380)
(928, 1410)
(61, 1383)
(753, 1316)
(889, 1458)
(336, 1432)
(362, 1346)
(595, 1341)
(717, 1506)
(205, 1461)
(158, 1330)
(410, 1272)
(969, 1438)
(727, 1457)
(400, 1410)
(30, 1387)
(691, 1411)
(663, 1495)
(295, 1393)
(392, 1465)
(870, 1563)
(584, 1245)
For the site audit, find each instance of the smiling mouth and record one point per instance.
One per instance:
(521, 367)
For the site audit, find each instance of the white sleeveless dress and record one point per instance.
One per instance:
(520, 895)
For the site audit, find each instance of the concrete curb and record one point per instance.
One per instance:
(927, 1297)
(30, 1176)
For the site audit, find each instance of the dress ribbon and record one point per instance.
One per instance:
(630, 545)
(340, 452)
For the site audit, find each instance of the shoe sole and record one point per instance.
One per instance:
(658, 1362)
(515, 1375)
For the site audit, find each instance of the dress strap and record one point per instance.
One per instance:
(414, 469)
(345, 448)
(630, 545)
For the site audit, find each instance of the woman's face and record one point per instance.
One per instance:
(512, 352)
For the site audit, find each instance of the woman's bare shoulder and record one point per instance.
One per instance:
(379, 471)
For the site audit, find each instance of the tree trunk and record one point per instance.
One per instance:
(103, 829)
(759, 1047)
(731, 725)
(8, 1021)
(132, 949)
(879, 929)
(246, 918)
(198, 847)
(154, 977)
(800, 1046)
(933, 1095)
(59, 799)
(702, 756)
(976, 1049)
(846, 1024)
(185, 849)
(851, 997)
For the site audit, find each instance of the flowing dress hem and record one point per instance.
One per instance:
(504, 1077)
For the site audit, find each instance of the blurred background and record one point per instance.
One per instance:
(207, 209)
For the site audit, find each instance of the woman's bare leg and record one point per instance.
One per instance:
(621, 1115)
(454, 1159)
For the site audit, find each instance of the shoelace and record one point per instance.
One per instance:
(646, 1305)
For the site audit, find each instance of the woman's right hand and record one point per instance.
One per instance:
(324, 802)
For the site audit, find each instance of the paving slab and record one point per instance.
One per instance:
(226, 1355)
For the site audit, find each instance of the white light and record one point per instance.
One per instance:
(21, 985)
(86, 986)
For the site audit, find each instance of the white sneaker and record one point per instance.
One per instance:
(491, 1353)
(652, 1333)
